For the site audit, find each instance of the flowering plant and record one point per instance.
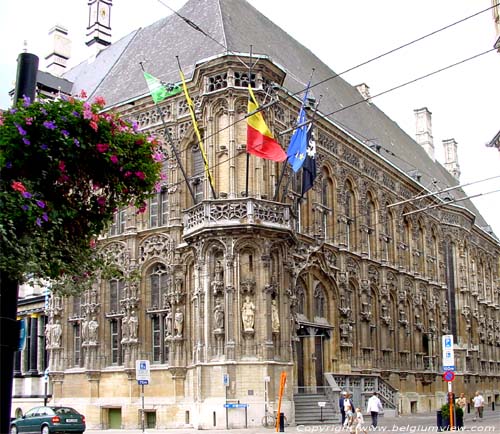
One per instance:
(65, 168)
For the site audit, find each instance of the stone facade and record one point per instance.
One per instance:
(252, 286)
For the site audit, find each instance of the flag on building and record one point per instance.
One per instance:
(309, 166)
(296, 152)
(158, 90)
(197, 131)
(260, 140)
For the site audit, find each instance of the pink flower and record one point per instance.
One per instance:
(140, 175)
(127, 174)
(101, 200)
(18, 186)
(100, 101)
(83, 94)
(62, 166)
(102, 147)
(158, 156)
(93, 125)
(114, 159)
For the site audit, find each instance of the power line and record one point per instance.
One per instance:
(326, 116)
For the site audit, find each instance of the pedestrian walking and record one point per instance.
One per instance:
(478, 401)
(374, 407)
(344, 401)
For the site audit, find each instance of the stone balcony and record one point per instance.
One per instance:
(244, 213)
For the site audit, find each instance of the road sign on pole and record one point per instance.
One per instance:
(449, 376)
(142, 371)
(448, 355)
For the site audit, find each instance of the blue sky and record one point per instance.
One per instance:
(464, 100)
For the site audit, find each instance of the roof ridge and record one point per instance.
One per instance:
(224, 39)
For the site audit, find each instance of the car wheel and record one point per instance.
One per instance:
(13, 429)
(45, 429)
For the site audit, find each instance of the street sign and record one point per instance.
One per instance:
(449, 376)
(235, 405)
(448, 355)
(46, 375)
(225, 379)
(142, 382)
(321, 403)
(142, 371)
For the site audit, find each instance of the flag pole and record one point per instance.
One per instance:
(276, 193)
(196, 129)
(171, 142)
(248, 154)
(310, 126)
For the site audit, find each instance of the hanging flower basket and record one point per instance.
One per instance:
(65, 169)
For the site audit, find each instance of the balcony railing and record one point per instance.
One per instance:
(225, 213)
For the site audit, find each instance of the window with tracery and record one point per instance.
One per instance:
(158, 209)
(350, 212)
(301, 300)
(118, 224)
(371, 227)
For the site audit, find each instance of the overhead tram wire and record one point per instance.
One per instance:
(265, 106)
(326, 116)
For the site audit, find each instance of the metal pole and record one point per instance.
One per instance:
(142, 414)
(45, 394)
(227, 418)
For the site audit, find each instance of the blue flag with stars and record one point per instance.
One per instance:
(296, 152)
(309, 166)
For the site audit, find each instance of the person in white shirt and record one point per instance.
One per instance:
(374, 406)
(478, 401)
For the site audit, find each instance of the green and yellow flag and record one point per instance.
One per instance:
(158, 90)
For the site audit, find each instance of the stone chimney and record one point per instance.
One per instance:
(364, 90)
(451, 158)
(57, 60)
(423, 135)
(99, 26)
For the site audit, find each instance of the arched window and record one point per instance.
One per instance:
(197, 173)
(350, 212)
(371, 226)
(389, 233)
(158, 279)
(327, 208)
(406, 244)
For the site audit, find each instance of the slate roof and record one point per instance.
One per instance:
(116, 75)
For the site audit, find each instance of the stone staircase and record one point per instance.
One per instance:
(308, 412)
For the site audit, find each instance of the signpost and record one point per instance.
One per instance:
(449, 374)
(143, 377)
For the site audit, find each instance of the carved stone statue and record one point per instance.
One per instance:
(168, 322)
(179, 322)
(124, 329)
(218, 316)
(133, 326)
(275, 317)
(53, 333)
(85, 331)
(248, 314)
(93, 328)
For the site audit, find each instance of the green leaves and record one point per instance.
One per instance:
(65, 168)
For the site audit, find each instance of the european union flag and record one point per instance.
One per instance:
(309, 167)
(296, 152)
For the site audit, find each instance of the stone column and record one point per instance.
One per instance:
(230, 308)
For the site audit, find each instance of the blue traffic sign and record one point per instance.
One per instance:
(234, 405)
(448, 367)
(447, 343)
(142, 382)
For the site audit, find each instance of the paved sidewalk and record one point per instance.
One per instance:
(411, 424)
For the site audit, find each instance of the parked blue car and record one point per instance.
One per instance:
(49, 420)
